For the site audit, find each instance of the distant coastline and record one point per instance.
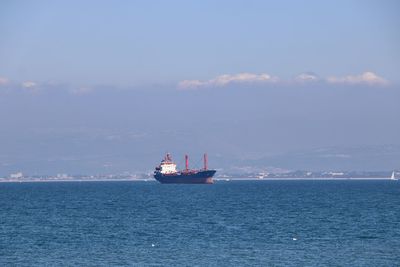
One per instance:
(2, 180)
(221, 176)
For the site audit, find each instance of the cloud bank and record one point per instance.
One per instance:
(367, 78)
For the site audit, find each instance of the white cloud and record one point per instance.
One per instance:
(241, 77)
(28, 84)
(3, 80)
(307, 77)
(364, 78)
(190, 84)
(226, 79)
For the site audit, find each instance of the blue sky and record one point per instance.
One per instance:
(109, 86)
(136, 43)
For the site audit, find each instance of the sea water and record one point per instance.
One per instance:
(236, 223)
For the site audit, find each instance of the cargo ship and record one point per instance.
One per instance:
(166, 172)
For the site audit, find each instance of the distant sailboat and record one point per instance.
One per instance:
(392, 177)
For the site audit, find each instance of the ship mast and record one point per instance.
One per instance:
(205, 161)
(186, 162)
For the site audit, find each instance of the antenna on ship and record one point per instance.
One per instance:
(186, 162)
(205, 161)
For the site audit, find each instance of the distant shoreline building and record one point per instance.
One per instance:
(17, 175)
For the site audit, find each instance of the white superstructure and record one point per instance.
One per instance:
(167, 166)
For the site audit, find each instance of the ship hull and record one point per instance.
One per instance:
(200, 177)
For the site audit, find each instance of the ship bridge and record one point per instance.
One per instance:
(167, 166)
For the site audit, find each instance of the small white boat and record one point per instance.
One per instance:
(392, 177)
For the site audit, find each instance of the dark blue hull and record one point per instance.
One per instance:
(198, 177)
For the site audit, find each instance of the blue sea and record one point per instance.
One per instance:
(236, 223)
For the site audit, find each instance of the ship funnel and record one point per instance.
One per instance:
(205, 161)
